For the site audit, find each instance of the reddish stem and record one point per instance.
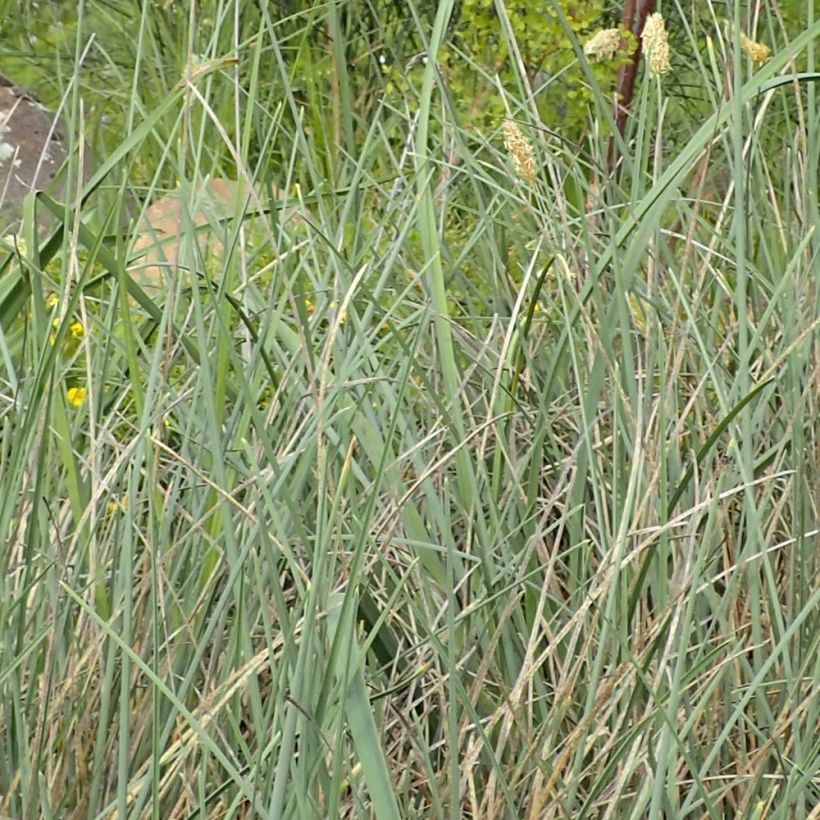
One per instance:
(628, 74)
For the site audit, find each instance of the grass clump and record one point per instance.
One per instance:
(484, 485)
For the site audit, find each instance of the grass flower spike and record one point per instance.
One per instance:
(604, 45)
(759, 52)
(520, 151)
(655, 41)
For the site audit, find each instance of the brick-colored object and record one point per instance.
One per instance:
(182, 234)
(160, 251)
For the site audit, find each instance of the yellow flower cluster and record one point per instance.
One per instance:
(603, 45)
(655, 42)
(76, 329)
(520, 151)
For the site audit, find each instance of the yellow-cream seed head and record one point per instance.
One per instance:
(655, 42)
(759, 52)
(520, 151)
(603, 45)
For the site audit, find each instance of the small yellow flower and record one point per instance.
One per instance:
(77, 330)
(343, 316)
(603, 45)
(757, 51)
(115, 506)
(520, 151)
(76, 395)
(52, 301)
(655, 43)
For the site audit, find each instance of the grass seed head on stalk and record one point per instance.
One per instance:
(655, 41)
(520, 151)
(759, 52)
(603, 45)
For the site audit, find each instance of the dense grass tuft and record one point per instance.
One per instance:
(444, 475)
